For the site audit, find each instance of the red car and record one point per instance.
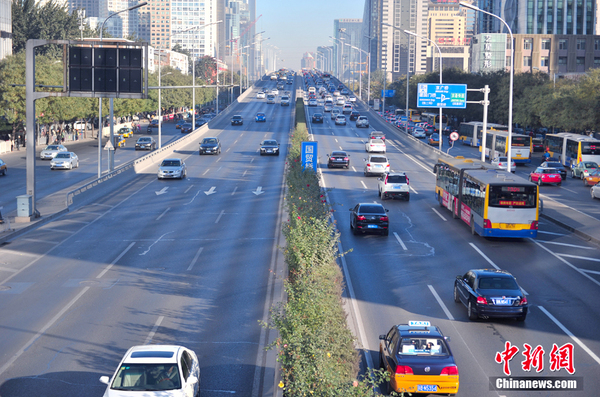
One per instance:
(545, 175)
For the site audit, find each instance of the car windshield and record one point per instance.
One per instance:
(379, 160)
(144, 140)
(209, 140)
(423, 347)
(396, 179)
(62, 156)
(338, 154)
(237, 117)
(498, 283)
(377, 141)
(590, 165)
(549, 171)
(371, 209)
(270, 143)
(171, 163)
(260, 114)
(553, 165)
(51, 147)
(147, 377)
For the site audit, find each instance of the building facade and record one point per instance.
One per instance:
(5, 28)
(346, 59)
(490, 52)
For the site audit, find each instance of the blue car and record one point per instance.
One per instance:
(261, 117)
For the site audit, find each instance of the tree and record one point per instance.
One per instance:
(206, 68)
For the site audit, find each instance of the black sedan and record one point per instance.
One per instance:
(317, 118)
(338, 159)
(269, 146)
(186, 128)
(210, 146)
(491, 293)
(369, 218)
(558, 165)
(237, 120)
(354, 115)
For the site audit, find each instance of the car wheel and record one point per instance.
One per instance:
(455, 295)
(591, 190)
(539, 181)
(77, 164)
(366, 173)
(441, 201)
(70, 166)
(558, 184)
(572, 174)
(408, 197)
(581, 176)
(472, 226)
(585, 183)
(383, 196)
(522, 318)
(472, 315)
(386, 233)
(530, 179)
(6, 169)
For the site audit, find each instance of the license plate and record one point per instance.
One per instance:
(269, 151)
(372, 226)
(398, 187)
(429, 388)
(501, 301)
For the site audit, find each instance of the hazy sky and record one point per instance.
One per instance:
(299, 26)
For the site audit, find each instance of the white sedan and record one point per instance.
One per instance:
(595, 191)
(260, 95)
(502, 162)
(375, 145)
(155, 370)
(419, 132)
(65, 161)
(51, 151)
(172, 168)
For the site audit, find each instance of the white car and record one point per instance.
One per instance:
(312, 102)
(335, 112)
(275, 91)
(352, 98)
(65, 161)
(394, 185)
(375, 145)
(595, 191)
(172, 168)
(340, 101)
(285, 101)
(340, 119)
(51, 151)
(362, 121)
(153, 371)
(260, 95)
(347, 108)
(502, 162)
(419, 132)
(376, 164)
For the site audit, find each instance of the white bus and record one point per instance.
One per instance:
(496, 145)
(471, 133)
(433, 119)
(571, 149)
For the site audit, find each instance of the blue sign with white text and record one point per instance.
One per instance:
(309, 156)
(448, 96)
(388, 93)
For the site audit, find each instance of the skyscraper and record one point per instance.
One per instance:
(5, 28)
(348, 31)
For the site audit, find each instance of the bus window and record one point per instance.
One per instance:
(512, 196)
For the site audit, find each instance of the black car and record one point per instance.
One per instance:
(338, 159)
(354, 115)
(145, 143)
(237, 120)
(269, 146)
(186, 128)
(200, 122)
(537, 144)
(317, 118)
(210, 146)
(558, 165)
(491, 293)
(369, 218)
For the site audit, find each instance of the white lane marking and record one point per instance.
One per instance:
(59, 230)
(35, 240)
(252, 160)
(234, 189)
(227, 150)
(569, 190)
(440, 215)
(439, 300)
(353, 169)
(161, 215)
(193, 198)
(219, 169)
(154, 329)
(484, 256)
(6, 269)
(414, 191)
(218, 391)
(107, 268)
(563, 260)
(357, 134)
(195, 258)
(365, 186)
(42, 331)
(331, 132)
(234, 142)
(400, 241)
(566, 206)
(591, 271)
(570, 334)
(188, 189)
(155, 241)
(340, 148)
(219, 159)
(220, 215)
(554, 234)
(206, 171)
(244, 174)
(335, 139)
(568, 245)
(579, 257)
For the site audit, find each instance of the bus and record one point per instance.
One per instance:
(493, 202)
(496, 145)
(434, 120)
(415, 115)
(571, 149)
(471, 133)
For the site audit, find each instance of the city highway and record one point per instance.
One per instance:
(187, 262)
(409, 275)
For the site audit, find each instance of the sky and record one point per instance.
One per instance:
(299, 26)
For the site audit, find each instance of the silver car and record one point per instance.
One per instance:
(65, 161)
(376, 164)
(51, 151)
(172, 169)
(502, 162)
(334, 112)
(419, 132)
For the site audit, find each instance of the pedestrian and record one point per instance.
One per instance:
(47, 137)
(17, 142)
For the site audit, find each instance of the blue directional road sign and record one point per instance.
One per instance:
(447, 96)
(309, 156)
(388, 93)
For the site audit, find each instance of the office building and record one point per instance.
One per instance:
(345, 58)
(448, 29)
(5, 28)
(308, 61)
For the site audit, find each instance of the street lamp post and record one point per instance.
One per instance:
(512, 72)
(101, 122)
(369, 63)
(432, 67)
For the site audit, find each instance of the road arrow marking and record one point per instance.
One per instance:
(161, 191)
(258, 191)
(211, 191)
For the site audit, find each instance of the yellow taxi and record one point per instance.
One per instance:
(419, 360)
(3, 168)
(434, 139)
(592, 179)
(126, 132)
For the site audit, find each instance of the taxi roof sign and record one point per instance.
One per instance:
(419, 324)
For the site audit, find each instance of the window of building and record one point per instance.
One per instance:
(545, 61)
(526, 61)
(597, 45)
(597, 62)
(562, 44)
(527, 44)
(581, 44)
(562, 60)
(545, 44)
(581, 60)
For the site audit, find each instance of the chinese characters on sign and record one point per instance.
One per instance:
(309, 156)
(452, 96)
(487, 54)
(560, 357)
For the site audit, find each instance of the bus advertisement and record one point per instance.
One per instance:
(471, 133)
(493, 202)
(496, 145)
(571, 149)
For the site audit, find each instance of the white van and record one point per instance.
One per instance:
(312, 90)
